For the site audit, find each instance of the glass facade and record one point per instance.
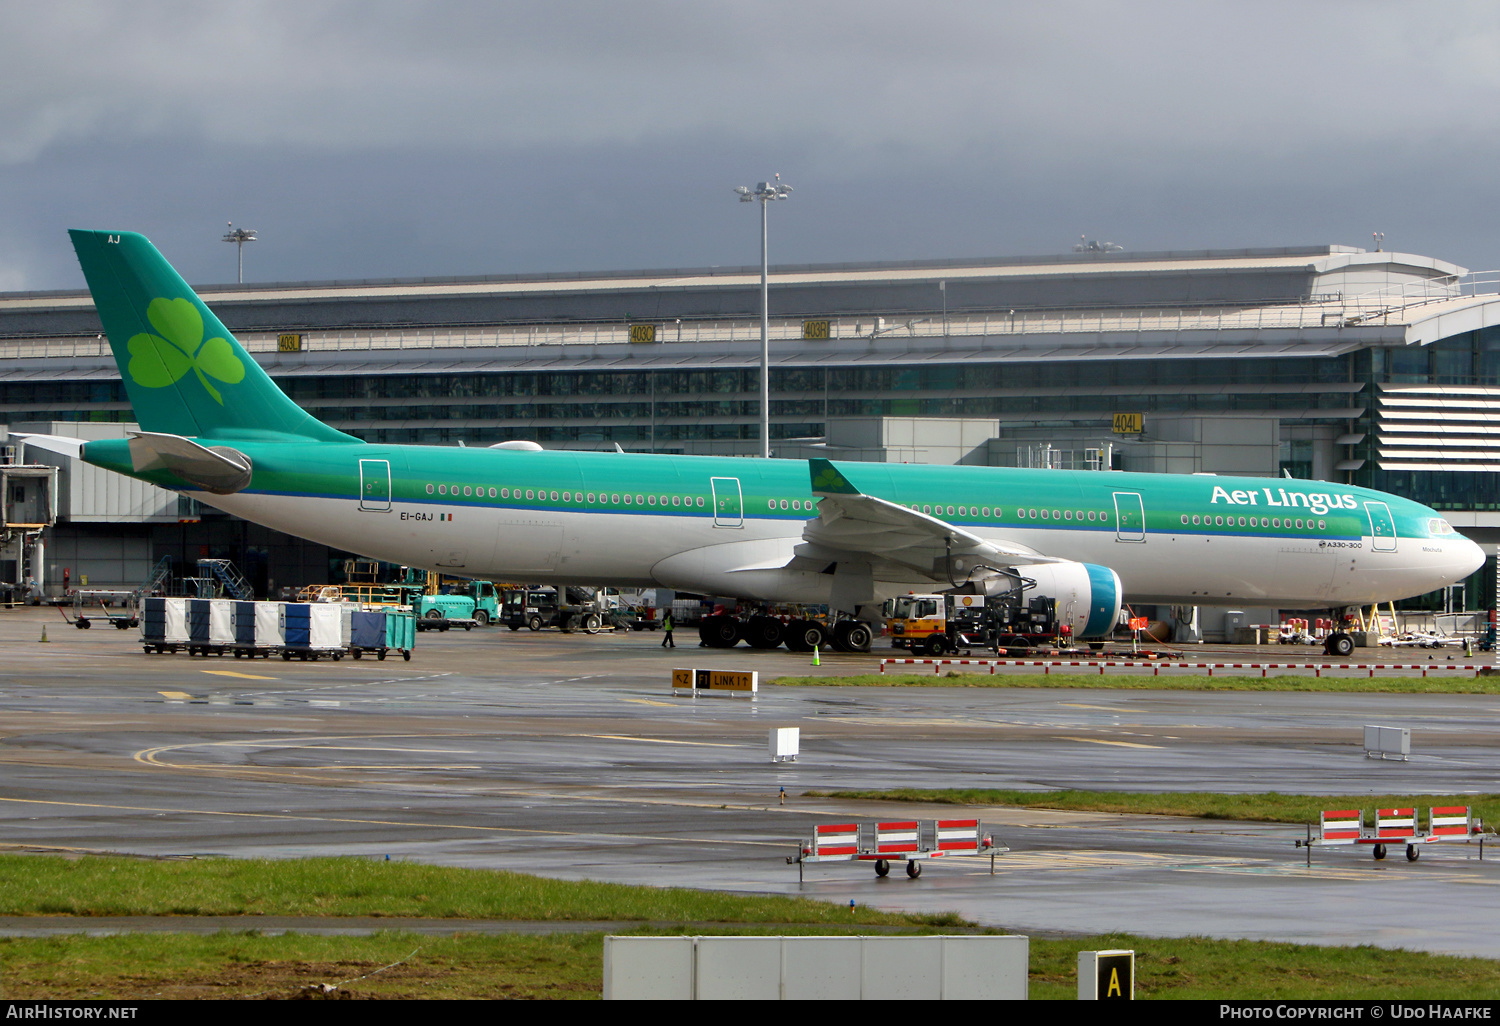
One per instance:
(667, 410)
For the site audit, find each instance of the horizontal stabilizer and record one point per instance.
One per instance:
(219, 469)
(59, 444)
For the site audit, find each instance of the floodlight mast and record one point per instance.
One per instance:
(765, 192)
(240, 236)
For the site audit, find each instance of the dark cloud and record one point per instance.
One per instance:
(392, 139)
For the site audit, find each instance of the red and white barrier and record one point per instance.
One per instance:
(1156, 666)
(911, 841)
(1395, 826)
(896, 838)
(839, 839)
(1449, 821)
(1342, 826)
(958, 836)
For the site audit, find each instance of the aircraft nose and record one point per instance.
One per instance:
(1469, 558)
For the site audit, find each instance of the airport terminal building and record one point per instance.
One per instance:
(1327, 362)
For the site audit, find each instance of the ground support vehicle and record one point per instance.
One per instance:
(910, 841)
(936, 625)
(577, 608)
(381, 631)
(83, 621)
(477, 601)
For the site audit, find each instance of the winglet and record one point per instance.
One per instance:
(826, 479)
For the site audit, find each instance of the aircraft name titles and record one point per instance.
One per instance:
(1317, 502)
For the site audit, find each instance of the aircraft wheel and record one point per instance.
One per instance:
(913, 868)
(1339, 644)
(852, 636)
(764, 632)
(719, 631)
(882, 867)
(1413, 853)
(1379, 852)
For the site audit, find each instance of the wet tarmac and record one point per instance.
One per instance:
(567, 756)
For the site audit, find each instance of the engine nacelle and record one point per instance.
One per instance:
(1088, 595)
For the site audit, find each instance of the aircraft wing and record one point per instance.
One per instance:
(853, 526)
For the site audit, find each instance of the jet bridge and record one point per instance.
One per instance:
(28, 506)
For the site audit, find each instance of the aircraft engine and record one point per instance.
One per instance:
(1088, 595)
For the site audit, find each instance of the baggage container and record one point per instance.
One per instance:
(380, 631)
(210, 625)
(256, 628)
(164, 624)
(315, 629)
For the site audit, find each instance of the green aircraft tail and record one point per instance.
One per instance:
(184, 372)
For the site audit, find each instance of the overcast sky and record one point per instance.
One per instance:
(398, 139)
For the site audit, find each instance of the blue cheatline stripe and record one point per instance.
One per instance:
(1103, 600)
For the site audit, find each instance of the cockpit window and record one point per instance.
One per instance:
(1436, 527)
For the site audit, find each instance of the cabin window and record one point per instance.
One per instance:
(616, 498)
(1184, 518)
(651, 500)
(639, 499)
(429, 489)
(700, 500)
(1067, 514)
(676, 500)
(784, 504)
(1032, 514)
(1322, 525)
(627, 500)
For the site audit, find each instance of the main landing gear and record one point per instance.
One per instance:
(767, 632)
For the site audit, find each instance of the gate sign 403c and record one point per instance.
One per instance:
(643, 333)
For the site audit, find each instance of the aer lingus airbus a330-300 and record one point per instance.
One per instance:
(214, 426)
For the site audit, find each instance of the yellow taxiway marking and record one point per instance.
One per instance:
(1106, 708)
(647, 701)
(1101, 741)
(657, 740)
(174, 694)
(231, 673)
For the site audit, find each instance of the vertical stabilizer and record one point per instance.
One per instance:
(184, 372)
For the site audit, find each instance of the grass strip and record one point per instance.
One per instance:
(118, 886)
(1265, 807)
(1145, 682)
(560, 966)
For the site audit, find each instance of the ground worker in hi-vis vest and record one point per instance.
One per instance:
(666, 624)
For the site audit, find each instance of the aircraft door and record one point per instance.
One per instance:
(1382, 527)
(375, 486)
(729, 505)
(1130, 517)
